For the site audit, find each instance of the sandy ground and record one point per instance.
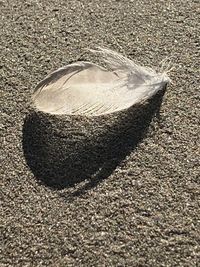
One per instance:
(115, 191)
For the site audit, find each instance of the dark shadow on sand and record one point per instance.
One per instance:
(63, 152)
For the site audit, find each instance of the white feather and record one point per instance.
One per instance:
(84, 88)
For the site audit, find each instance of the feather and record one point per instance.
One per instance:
(84, 88)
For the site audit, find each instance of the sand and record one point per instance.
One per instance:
(120, 190)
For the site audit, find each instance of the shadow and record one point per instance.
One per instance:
(62, 152)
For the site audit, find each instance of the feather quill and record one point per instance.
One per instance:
(84, 88)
